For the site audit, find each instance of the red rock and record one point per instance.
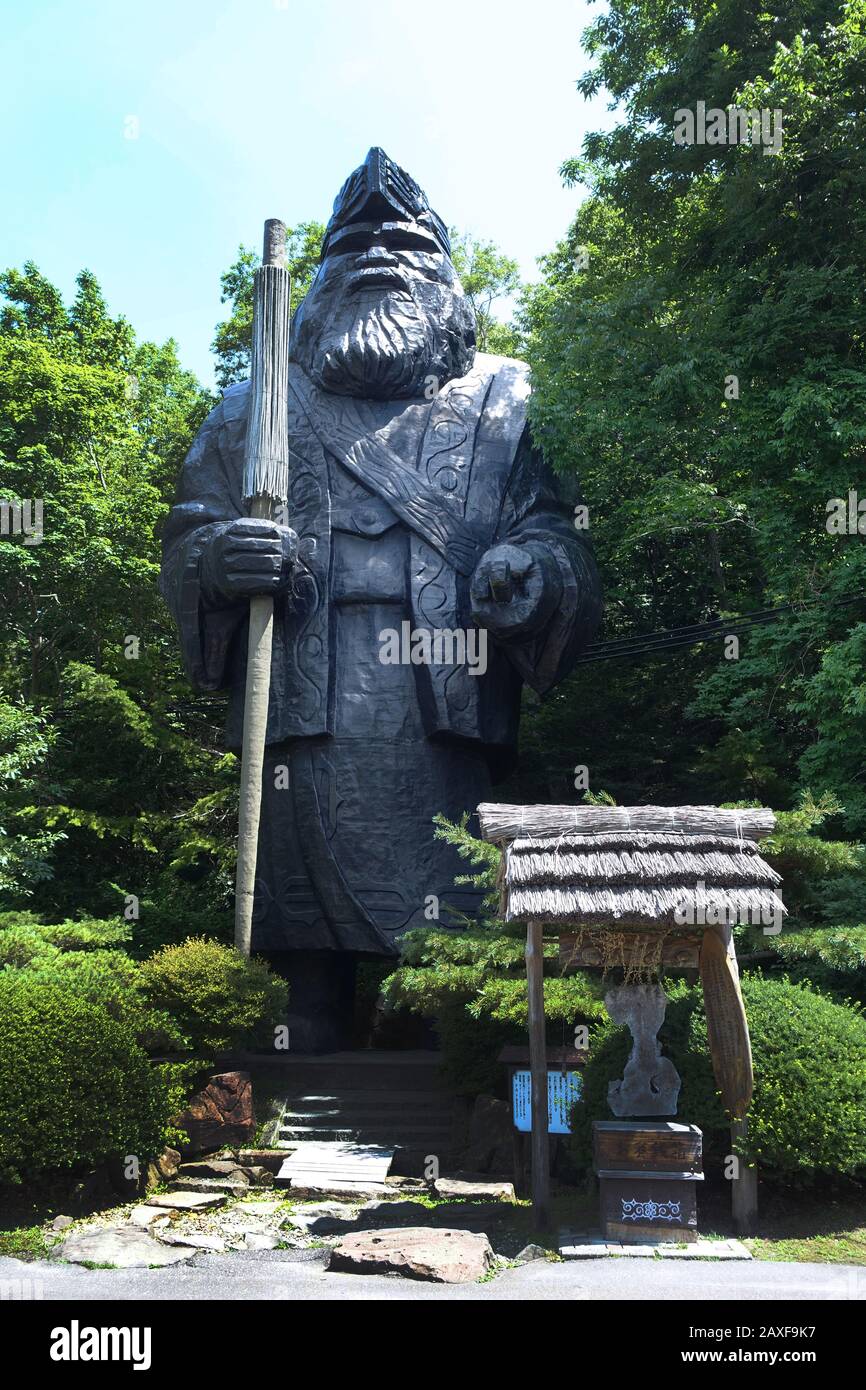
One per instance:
(443, 1256)
(220, 1114)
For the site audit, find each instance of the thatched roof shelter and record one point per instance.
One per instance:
(642, 867)
(639, 887)
(639, 879)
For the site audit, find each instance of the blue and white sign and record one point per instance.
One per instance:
(563, 1089)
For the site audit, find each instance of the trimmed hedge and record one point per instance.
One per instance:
(218, 998)
(75, 1087)
(808, 1113)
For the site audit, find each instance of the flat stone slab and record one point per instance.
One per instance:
(336, 1166)
(149, 1216)
(442, 1256)
(227, 1186)
(122, 1247)
(474, 1191)
(271, 1159)
(194, 1241)
(339, 1191)
(261, 1240)
(261, 1208)
(596, 1247)
(187, 1201)
(209, 1168)
(319, 1218)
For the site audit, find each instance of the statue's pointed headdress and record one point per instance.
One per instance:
(378, 191)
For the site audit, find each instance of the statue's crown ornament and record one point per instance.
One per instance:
(379, 190)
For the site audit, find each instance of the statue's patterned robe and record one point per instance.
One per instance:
(394, 504)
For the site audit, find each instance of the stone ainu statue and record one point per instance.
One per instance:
(427, 569)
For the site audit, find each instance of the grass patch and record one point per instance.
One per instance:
(27, 1243)
(831, 1232)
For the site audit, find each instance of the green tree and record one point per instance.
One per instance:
(233, 338)
(487, 276)
(698, 362)
(112, 780)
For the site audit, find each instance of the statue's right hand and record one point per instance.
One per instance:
(251, 556)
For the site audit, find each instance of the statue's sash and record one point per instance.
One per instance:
(425, 509)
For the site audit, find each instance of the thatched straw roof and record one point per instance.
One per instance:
(667, 879)
(505, 823)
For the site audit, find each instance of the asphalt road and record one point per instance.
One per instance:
(263, 1275)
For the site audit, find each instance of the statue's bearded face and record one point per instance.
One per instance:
(385, 316)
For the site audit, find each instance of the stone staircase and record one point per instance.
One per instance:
(390, 1099)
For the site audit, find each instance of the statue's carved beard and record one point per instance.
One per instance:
(385, 346)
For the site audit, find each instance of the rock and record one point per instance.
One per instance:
(220, 1114)
(338, 1191)
(259, 1174)
(168, 1163)
(490, 1145)
(212, 1168)
(60, 1223)
(187, 1201)
(229, 1187)
(162, 1169)
(474, 1191)
(320, 1218)
(271, 1159)
(529, 1253)
(443, 1256)
(151, 1216)
(260, 1208)
(194, 1241)
(121, 1247)
(261, 1240)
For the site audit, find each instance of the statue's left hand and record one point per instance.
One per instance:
(515, 589)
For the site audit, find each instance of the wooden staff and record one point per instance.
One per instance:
(265, 484)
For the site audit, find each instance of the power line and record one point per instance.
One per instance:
(645, 643)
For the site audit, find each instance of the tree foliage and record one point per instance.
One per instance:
(698, 362)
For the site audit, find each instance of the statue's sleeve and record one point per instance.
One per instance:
(208, 501)
(535, 513)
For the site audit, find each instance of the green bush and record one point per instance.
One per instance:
(219, 999)
(75, 1087)
(809, 1102)
(83, 957)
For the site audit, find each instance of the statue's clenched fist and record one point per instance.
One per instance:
(515, 589)
(248, 557)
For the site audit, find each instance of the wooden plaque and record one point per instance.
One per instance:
(652, 1145)
(727, 1029)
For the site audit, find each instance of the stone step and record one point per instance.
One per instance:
(349, 1117)
(216, 1186)
(363, 1100)
(368, 1125)
(390, 1134)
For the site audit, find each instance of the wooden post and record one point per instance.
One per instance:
(538, 1070)
(744, 1187)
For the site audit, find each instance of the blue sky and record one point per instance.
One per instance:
(245, 109)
